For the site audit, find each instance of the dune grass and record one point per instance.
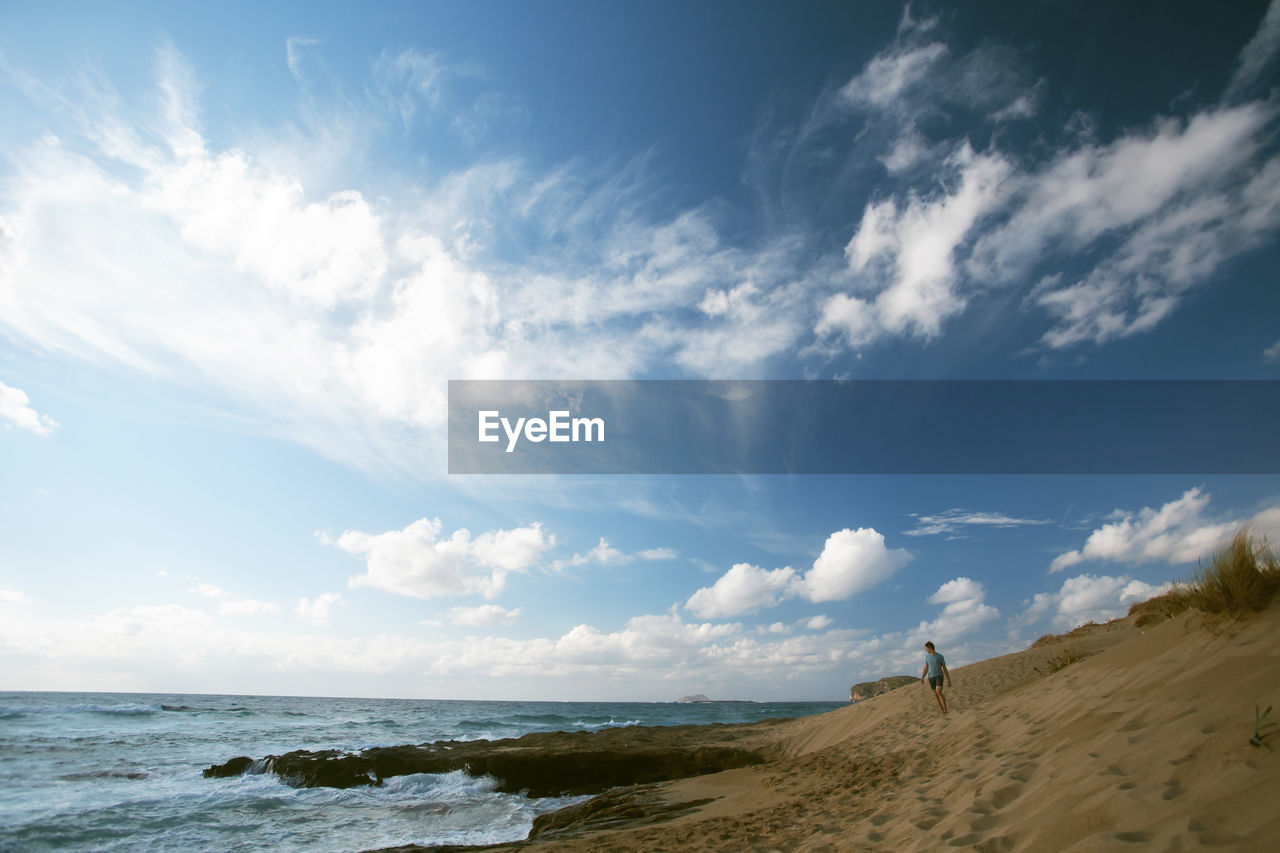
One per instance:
(1062, 660)
(1243, 577)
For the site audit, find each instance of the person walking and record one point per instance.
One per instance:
(935, 667)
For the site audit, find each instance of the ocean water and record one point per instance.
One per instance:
(122, 772)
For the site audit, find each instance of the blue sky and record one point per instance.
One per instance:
(243, 249)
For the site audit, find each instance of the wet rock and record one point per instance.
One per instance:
(544, 764)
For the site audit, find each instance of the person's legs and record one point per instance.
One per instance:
(942, 700)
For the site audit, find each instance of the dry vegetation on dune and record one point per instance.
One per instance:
(1242, 578)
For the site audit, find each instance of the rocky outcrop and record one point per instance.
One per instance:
(544, 764)
(870, 689)
(697, 697)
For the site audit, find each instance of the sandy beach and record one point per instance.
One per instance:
(1144, 743)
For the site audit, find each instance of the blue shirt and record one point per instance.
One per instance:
(934, 662)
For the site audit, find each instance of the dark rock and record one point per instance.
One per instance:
(234, 767)
(543, 764)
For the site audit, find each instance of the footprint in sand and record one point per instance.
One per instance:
(1127, 786)
(1133, 836)
(1006, 795)
(1023, 773)
(1172, 789)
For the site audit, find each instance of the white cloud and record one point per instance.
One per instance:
(1087, 598)
(953, 520)
(294, 48)
(817, 623)
(1149, 215)
(335, 317)
(964, 609)
(743, 589)
(482, 615)
(910, 253)
(1271, 354)
(851, 561)
(908, 150)
(1178, 532)
(889, 75)
(14, 412)
(316, 611)
(1257, 55)
(246, 607)
(12, 597)
(407, 82)
(208, 590)
(417, 562)
(605, 554)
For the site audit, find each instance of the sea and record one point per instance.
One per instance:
(123, 771)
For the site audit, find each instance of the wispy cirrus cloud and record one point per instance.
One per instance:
(604, 554)
(953, 521)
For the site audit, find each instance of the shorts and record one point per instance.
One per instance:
(935, 681)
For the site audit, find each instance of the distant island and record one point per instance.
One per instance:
(699, 697)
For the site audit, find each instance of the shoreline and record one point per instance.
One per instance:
(1144, 738)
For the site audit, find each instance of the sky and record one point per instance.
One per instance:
(244, 247)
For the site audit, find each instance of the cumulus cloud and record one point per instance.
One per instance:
(851, 561)
(964, 609)
(316, 611)
(15, 412)
(915, 248)
(1086, 598)
(418, 562)
(1177, 532)
(743, 589)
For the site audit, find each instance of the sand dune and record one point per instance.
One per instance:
(1143, 744)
